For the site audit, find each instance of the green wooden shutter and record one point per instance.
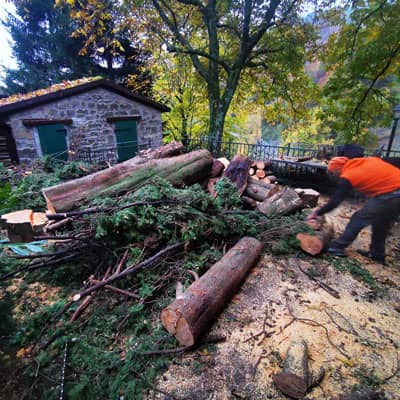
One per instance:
(126, 137)
(53, 140)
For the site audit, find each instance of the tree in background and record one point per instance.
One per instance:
(46, 53)
(222, 39)
(363, 65)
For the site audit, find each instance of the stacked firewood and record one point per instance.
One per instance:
(260, 171)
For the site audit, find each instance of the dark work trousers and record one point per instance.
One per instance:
(379, 212)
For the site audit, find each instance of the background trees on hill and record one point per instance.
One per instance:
(217, 62)
(46, 53)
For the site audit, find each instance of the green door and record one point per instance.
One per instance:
(53, 141)
(126, 137)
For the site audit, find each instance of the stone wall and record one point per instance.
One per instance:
(89, 112)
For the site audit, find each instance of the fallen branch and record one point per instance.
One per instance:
(144, 264)
(182, 349)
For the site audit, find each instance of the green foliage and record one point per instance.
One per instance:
(228, 196)
(362, 60)
(26, 191)
(187, 214)
(353, 266)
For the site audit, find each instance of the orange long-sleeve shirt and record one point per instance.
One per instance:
(371, 176)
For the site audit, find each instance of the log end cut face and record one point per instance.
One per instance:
(176, 324)
(310, 244)
(290, 384)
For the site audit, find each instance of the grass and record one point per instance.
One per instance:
(352, 266)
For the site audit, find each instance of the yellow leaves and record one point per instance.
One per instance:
(40, 92)
(24, 352)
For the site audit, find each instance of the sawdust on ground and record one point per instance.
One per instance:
(354, 337)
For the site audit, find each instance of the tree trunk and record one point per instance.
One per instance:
(129, 175)
(281, 203)
(191, 315)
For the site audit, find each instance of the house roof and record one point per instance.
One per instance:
(67, 89)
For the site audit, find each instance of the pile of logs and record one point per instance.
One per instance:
(260, 171)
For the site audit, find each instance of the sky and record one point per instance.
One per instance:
(6, 59)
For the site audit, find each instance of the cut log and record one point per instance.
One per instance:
(19, 226)
(281, 203)
(314, 244)
(260, 164)
(217, 169)
(296, 377)
(266, 181)
(310, 197)
(39, 221)
(190, 316)
(129, 175)
(252, 171)
(260, 173)
(260, 191)
(224, 161)
(238, 171)
(272, 178)
(169, 150)
(249, 201)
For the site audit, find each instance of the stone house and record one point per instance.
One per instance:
(89, 119)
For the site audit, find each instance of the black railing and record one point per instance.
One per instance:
(261, 151)
(110, 155)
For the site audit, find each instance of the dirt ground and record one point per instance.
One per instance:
(355, 338)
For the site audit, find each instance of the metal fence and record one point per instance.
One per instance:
(261, 151)
(110, 155)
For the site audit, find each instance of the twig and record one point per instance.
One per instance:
(311, 322)
(216, 339)
(395, 372)
(321, 284)
(258, 362)
(117, 290)
(144, 264)
(96, 210)
(264, 330)
(57, 225)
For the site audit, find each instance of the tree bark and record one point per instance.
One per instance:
(129, 175)
(281, 203)
(188, 317)
(217, 168)
(238, 171)
(260, 191)
(310, 197)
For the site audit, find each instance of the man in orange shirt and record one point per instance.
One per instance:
(380, 182)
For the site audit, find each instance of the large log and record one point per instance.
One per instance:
(281, 203)
(129, 175)
(238, 171)
(189, 316)
(260, 191)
